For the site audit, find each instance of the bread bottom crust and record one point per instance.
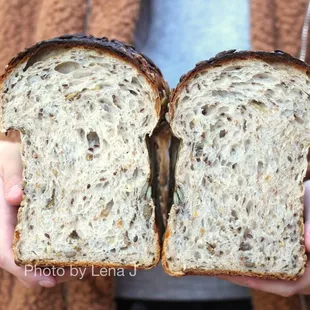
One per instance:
(205, 272)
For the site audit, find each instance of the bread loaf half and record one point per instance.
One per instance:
(243, 122)
(85, 108)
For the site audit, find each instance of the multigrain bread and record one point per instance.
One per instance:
(85, 108)
(102, 166)
(243, 122)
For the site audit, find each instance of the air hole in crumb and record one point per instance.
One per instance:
(146, 121)
(135, 81)
(135, 173)
(232, 68)
(253, 224)
(234, 214)
(219, 93)
(81, 133)
(262, 76)
(298, 119)
(258, 105)
(116, 101)
(233, 151)
(247, 233)
(260, 167)
(245, 246)
(67, 67)
(93, 139)
(106, 208)
(208, 109)
(247, 144)
(199, 150)
(197, 255)
(244, 125)
(269, 92)
(249, 207)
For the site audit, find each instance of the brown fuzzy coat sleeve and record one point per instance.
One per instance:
(114, 19)
(277, 24)
(24, 22)
(90, 293)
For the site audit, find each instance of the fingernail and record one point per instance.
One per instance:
(46, 283)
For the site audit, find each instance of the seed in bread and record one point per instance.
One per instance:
(84, 107)
(243, 122)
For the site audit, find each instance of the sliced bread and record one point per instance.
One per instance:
(85, 108)
(243, 122)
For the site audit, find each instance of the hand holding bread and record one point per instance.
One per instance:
(279, 287)
(10, 198)
(120, 172)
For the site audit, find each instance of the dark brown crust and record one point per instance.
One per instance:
(224, 58)
(119, 49)
(202, 272)
(43, 263)
(230, 56)
(124, 52)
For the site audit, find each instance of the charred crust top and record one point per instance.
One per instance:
(277, 56)
(122, 50)
(227, 56)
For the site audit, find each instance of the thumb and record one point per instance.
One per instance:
(12, 176)
(307, 214)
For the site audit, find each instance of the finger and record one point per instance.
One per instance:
(11, 164)
(7, 225)
(27, 276)
(307, 214)
(278, 287)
